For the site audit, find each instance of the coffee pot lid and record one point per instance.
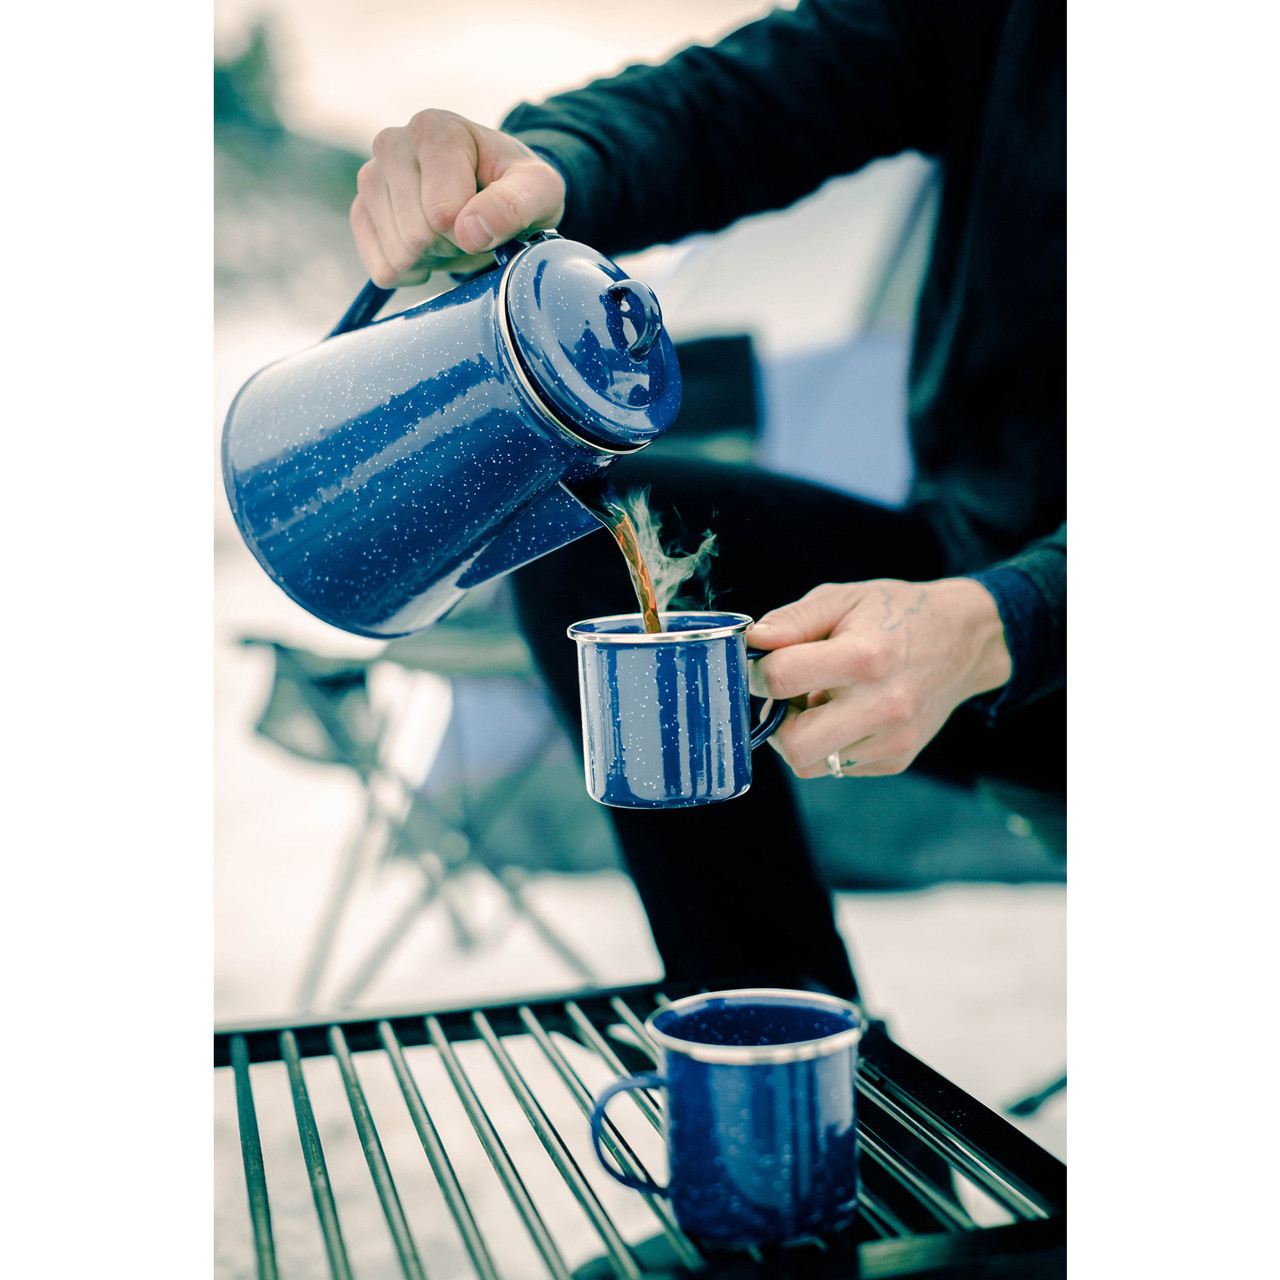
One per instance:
(592, 342)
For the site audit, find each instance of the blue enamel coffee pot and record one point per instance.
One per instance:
(380, 474)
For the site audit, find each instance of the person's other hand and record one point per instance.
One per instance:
(873, 669)
(442, 192)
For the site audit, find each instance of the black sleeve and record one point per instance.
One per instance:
(759, 119)
(1044, 563)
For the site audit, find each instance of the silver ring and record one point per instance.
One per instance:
(833, 765)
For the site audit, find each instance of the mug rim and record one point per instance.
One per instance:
(748, 1054)
(741, 623)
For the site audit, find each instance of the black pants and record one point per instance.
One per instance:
(731, 890)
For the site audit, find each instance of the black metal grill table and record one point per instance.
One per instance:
(435, 1146)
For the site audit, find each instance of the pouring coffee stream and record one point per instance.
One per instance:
(602, 502)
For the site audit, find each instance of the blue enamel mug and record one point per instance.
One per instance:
(383, 472)
(760, 1121)
(666, 717)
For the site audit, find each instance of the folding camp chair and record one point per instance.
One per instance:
(319, 709)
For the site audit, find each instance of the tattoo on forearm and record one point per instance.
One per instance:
(895, 614)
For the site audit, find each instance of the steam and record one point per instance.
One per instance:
(671, 572)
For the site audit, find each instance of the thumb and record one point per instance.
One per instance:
(812, 617)
(520, 192)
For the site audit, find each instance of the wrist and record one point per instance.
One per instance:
(986, 662)
(561, 180)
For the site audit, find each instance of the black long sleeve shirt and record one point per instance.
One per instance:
(768, 114)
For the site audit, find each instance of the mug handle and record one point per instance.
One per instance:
(775, 716)
(649, 1080)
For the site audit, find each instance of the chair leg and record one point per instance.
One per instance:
(340, 894)
(508, 879)
(512, 881)
(433, 887)
(463, 934)
(478, 815)
(386, 945)
(1032, 1103)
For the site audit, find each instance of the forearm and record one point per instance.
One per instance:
(752, 123)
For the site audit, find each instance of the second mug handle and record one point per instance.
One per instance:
(650, 1080)
(775, 716)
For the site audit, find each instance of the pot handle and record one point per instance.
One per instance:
(372, 298)
(369, 301)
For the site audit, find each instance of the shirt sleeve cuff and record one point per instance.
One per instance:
(1025, 618)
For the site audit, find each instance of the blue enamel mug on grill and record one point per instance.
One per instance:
(666, 717)
(383, 472)
(760, 1122)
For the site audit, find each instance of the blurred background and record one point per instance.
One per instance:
(405, 825)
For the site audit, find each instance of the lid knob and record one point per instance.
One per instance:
(633, 300)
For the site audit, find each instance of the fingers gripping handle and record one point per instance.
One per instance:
(650, 1080)
(777, 713)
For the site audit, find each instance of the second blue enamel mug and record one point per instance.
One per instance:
(760, 1122)
(666, 717)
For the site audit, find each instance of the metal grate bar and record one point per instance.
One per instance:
(623, 1010)
(376, 1159)
(948, 1214)
(437, 1156)
(313, 1153)
(594, 1040)
(497, 1153)
(882, 1220)
(624, 1263)
(1000, 1186)
(617, 1144)
(254, 1174)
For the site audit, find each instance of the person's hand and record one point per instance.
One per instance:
(443, 191)
(873, 669)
